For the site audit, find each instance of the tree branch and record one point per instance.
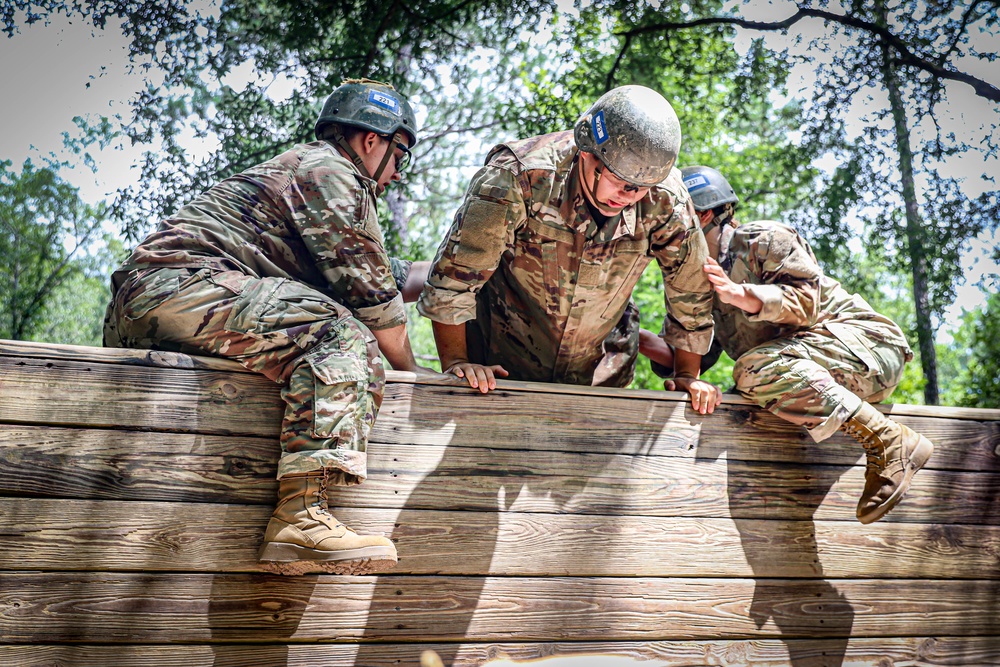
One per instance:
(903, 52)
(614, 68)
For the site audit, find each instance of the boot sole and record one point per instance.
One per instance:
(294, 559)
(921, 454)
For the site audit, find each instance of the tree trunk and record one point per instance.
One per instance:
(914, 231)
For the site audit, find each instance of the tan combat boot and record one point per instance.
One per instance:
(303, 536)
(895, 452)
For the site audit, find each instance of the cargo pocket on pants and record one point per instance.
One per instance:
(342, 405)
(846, 334)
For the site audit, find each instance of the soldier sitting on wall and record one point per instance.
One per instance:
(805, 348)
(283, 269)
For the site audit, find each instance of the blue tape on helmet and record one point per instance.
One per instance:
(384, 100)
(696, 182)
(598, 126)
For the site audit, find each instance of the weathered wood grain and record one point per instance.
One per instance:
(36, 391)
(62, 535)
(177, 608)
(135, 486)
(109, 464)
(176, 360)
(935, 651)
(118, 356)
(213, 469)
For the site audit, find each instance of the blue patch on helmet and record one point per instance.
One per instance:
(696, 182)
(384, 100)
(598, 126)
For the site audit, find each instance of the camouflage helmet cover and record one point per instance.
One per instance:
(370, 105)
(635, 133)
(708, 188)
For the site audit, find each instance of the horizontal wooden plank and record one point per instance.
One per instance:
(592, 424)
(176, 360)
(121, 356)
(111, 464)
(179, 608)
(210, 469)
(36, 391)
(128, 536)
(540, 481)
(935, 651)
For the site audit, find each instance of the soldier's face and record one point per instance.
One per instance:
(613, 194)
(374, 148)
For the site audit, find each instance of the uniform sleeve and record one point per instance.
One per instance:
(790, 277)
(482, 231)
(335, 214)
(680, 249)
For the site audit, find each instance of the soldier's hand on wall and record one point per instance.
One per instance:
(705, 397)
(478, 376)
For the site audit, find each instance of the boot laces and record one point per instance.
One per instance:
(322, 500)
(874, 450)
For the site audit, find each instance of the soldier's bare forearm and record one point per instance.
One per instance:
(450, 342)
(653, 347)
(394, 344)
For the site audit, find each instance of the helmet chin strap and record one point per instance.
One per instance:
(385, 158)
(592, 192)
(351, 153)
(725, 218)
(356, 159)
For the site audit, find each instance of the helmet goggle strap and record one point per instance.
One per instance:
(393, 142)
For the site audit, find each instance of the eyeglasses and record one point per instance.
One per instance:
(403, 161)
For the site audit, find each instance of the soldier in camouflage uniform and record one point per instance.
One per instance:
(553, 235)
(805, 348)
(283, 269)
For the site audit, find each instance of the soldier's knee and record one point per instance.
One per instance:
(760, 366)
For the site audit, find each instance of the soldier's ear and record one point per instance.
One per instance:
(370, 141)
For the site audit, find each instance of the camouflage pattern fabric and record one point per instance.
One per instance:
(814, 351)
(542, 284)
(305, 215)
(616, 367)
(281, 268)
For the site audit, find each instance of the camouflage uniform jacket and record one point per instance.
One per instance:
(306, 215)
(777, 265)
(545, 284)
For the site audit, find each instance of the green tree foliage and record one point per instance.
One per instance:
(975, 351)
(45, 230)
(908, 50)
(449, 56)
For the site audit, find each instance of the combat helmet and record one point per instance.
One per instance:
(634, 132)
(708, 188)
(369, 105)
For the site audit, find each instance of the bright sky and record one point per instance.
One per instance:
(68, 69)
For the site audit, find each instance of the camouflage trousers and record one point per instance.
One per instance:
(817, 379)
(327, 363)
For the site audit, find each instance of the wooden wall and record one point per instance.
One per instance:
(536, 521)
